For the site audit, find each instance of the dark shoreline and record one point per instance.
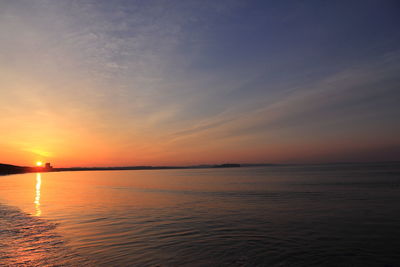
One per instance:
(6, 169)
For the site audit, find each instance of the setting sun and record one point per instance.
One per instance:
(39, 163)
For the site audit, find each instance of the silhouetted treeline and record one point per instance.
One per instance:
(10, 169)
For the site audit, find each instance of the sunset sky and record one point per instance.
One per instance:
(115, 83)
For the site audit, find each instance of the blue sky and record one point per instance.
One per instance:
(187, 82)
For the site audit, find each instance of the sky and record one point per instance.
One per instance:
(116, 83)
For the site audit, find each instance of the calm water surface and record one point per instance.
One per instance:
(336, 215)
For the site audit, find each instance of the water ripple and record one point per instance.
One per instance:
(30, 241)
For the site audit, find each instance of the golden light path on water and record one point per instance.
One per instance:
(38, 211)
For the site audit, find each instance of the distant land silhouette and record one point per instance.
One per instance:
(13, 169)
(10, 169)
(6, 169)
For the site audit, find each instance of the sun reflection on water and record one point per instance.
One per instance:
(37, 195)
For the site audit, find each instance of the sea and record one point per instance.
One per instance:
(294, 215)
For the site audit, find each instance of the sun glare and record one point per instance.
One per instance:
(39, 163)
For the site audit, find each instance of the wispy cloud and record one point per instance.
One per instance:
(142, 79)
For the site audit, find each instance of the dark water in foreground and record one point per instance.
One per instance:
(337, 215)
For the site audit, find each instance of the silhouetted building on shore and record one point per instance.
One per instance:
(48, 166)
(227, 165)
